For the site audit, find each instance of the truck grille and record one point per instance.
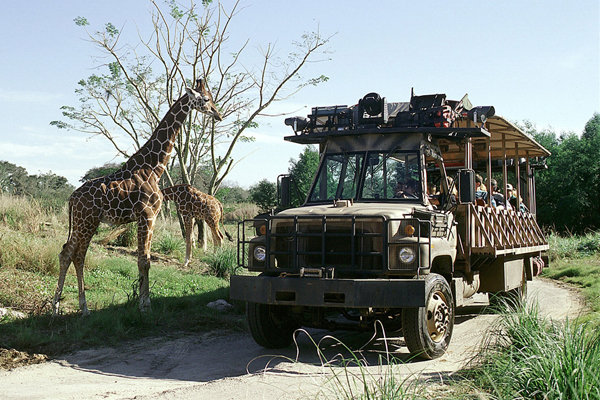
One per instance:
(347, 243)
(343, 243)
(324, 245)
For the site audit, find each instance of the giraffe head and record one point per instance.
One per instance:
(202, 100)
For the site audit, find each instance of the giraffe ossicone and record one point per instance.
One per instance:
(193, 204)
(130, 194)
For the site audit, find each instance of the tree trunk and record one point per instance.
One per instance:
(202, 242)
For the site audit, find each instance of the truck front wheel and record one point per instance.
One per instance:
(427, 330)
(271, 326)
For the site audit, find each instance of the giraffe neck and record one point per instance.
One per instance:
(153, 156)
(171, 193)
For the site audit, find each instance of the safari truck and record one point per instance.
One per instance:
(392, 230)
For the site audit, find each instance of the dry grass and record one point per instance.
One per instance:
(240, 212)
(26, 291)
(24, 215)
(29, 252)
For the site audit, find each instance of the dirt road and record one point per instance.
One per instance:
(231, 366)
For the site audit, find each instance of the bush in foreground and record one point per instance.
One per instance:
(528, 357)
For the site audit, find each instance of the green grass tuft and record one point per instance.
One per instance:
(573, 247)
(169, 243)
(223, 261)
(528, 357)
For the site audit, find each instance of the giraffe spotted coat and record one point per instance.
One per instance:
(193, 204)
(130, 194)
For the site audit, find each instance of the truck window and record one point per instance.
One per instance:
(338, 177)
(392, 176)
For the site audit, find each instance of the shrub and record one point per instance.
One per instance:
(223, 261)
(168, 243)
(528, 357)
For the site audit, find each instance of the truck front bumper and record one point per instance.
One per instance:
(321, 292)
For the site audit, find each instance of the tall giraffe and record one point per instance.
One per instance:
(130, 194)
(193, 204)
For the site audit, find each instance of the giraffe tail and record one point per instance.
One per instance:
(223, 223)
(70, 222)
(227, 234)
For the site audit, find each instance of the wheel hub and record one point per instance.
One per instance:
(438, 317)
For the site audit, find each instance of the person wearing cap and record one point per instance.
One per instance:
(509, 195)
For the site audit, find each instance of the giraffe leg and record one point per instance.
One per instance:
(73, 251)
(189, 227)
(78, 262)
(216, 233)
(65, 261)
(145, 229)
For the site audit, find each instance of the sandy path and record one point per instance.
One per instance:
(232, 366)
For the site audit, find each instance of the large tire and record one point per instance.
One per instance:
(271, 326)
(427, 330)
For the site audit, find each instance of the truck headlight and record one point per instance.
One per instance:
(260, 253)
(406, 255)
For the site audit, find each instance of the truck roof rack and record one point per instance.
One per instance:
(448, 133)
(449, 121)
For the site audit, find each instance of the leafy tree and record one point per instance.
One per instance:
(567, 192)
(264, 195)
(50, 189)
(302, 172)
(141, 80)
(13, 179)
(98, 172)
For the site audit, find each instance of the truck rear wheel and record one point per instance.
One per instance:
(427, 330)
(271, 326)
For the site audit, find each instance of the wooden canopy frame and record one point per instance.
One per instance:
(505, 142)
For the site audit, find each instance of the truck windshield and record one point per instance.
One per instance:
(368, 176)
(392, 176)
(338, 177)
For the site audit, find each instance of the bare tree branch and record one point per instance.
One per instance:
(145, 78)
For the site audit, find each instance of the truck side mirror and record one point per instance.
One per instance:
(284, 191)
(466, 186)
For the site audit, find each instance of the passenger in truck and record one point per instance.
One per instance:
(408, 190)
(509, 194)
(481, 191)
(433, 195)
(439, 199)
(498, 197)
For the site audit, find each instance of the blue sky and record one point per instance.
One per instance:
(534, 60)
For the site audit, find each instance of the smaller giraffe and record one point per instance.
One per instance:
(193, 204)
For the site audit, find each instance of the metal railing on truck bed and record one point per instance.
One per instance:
(503, 232)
